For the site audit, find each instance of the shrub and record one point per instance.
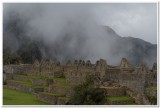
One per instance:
(88, 94)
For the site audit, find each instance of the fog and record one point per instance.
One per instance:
(69, 31)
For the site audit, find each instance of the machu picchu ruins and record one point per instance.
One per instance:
(52, 82)
(75, 54)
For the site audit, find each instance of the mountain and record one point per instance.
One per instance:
(73, 43)
(136, 50)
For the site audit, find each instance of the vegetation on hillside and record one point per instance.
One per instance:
(152, 99)
(10, 58)
(27, 53)
(88, 94)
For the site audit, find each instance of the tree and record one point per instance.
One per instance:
(6, 56)
(15, 59)
(88, 94)
(10, 58)
(30, 52)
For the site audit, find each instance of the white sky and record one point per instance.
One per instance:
(136, 20)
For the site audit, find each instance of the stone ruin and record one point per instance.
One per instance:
(134, 79)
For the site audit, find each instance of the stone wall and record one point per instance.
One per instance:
(17, 68)
(133, 81)
(151, 92)
(77, 74)
(66, 91)
(134, 78)
(10, 70)
(100, 67)
(20, 78)
(52, 99)
(112, 75)
(18, 86)
(41, 82)
(7, 76)
(116, 91)
(151, 79)
(124, 102)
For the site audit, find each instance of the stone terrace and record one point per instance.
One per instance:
(52, 82)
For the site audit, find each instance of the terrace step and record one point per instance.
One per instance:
(27, 87)
(19, 85)
(60, 89)
(119, 100)
(33, 73)
(59, 81)
(51, 98)
(41, 82)
(21, 78)
(60, 86)
(35, 80)
(115, 91)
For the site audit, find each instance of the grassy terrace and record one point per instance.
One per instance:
(13, 97)
(62, 82)
(53, 94)
(152, 88)
(28, 84)
(121, 98)
(118, 98)
(22, 82)
(34, 77)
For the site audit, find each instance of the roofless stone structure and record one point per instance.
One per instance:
(122, 79)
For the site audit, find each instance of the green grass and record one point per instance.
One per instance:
(62, 82)
(22, 82)
(40, 77)
(121, 98)
(58, 95)
(118, 98)
(152, 88)
(34, 77)
(34, 71)
(60, 79)
(13, 97)
(28, 84)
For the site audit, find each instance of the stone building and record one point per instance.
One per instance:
(135, 79)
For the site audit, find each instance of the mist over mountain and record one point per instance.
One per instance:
(75, 35)
(135, 50)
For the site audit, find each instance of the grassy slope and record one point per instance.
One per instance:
(152, 88)
(118, 98)
(121, 98)
(13, 97)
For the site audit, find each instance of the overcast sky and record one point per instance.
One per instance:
(76, 29)
(135, 20)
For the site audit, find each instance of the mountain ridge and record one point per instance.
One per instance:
(134, 49)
